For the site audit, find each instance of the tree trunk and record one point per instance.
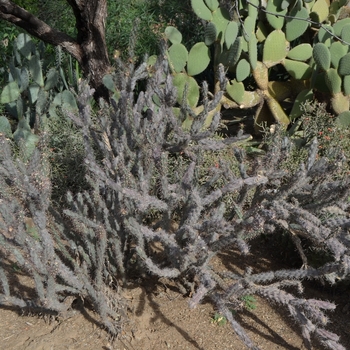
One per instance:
(89, 48)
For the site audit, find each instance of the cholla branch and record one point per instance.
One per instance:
(45, 256)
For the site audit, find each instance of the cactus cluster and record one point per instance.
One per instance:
(186, 64)
(29, 93)
(254, 43)
(332, 59)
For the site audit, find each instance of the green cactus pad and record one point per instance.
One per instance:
(178, 56)
(320, 11)
(244, 45)
(24, 135)
(10, 93)
(325, 35)
(346, 85)
(250, 99)
(234, 53)
(24, 79)
(41, 101)
(15, 73)
(12, 109)
(303, 96)
(319, 82)
(231, 33)
(201, 10)
(22, 131)
(342, 3)
(187, 123)
(173, 34)
(236, 91)
(344, 65)
(333, 81)
(262, 32)
(345, 33)
(33, 93)
(210, 34)
(108, 82)
(275, 48)
(338, 26)
(198, 59)
(66, 101)
(301, 52)
(332, 19)
(221, 18)
(16, 56)
(242, 69)
(333, 9)
(223, 57)
(248, 28)
(25, 45)
(340, 103)
(295, 28)
(286, 3)
(253, 10)
(35, 70)
(276, 21)
(180, 80)
(5, 127)
(297, 70)
(212, 4)
(337, 50)
(253, 51)
(52, 79)
(322, 56)
(343, 119)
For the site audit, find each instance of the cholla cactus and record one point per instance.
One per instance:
(33, 238)
(139, 141)
(147, 171)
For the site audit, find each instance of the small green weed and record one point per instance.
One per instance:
(15, 267)
(219, 320)
(249, 302)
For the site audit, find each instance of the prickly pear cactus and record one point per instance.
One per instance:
(30, 94)
(254, 44)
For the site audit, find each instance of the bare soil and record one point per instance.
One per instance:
(159, 317)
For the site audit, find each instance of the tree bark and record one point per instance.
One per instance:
(89, 48)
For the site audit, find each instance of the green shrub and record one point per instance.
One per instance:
(154, 16)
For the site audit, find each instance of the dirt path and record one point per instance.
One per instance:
(159, 318)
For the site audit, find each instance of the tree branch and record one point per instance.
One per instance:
(90, 19)
(15, 14)
(89, 48)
